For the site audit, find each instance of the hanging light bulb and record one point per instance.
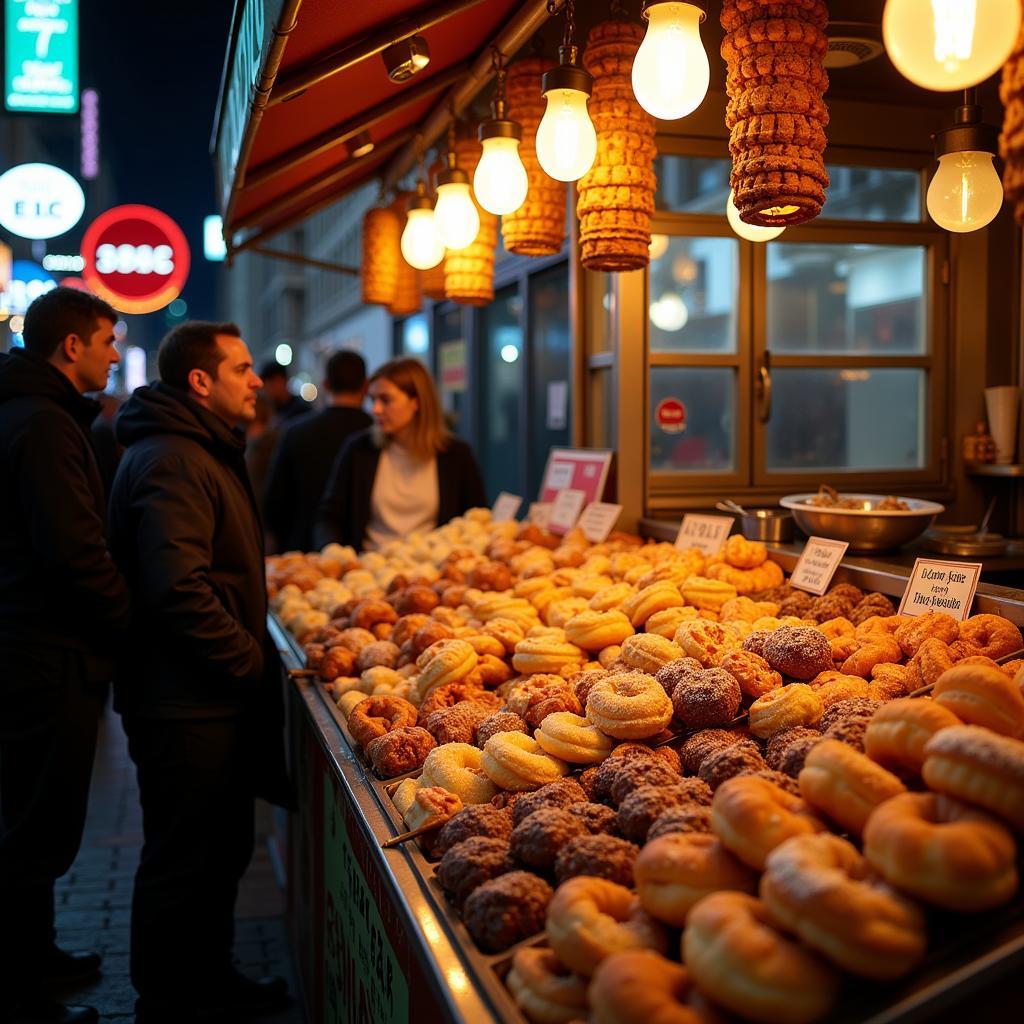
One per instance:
(965, 193)
(671, 70)
(950, 44)
(455, 213)
(751, 232)
(566, 140)
(499, 181)
(422, 247)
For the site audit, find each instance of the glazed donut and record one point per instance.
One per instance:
(667, 622)
(593, 631)
(798, 651)
(913, 632)
(375, 716)
(707, 642)
(446, 661)
(845, 784)
(456, 767)
(430, 803)
(590, 918)
(785, 708)
(992, 635)
(640, 985)
(399, 751)
(978, 766)
(879, 650)
(572, 738)
(899, 729)
(675, 871)
(545, 989)
(753, 816)
(755, 676)
(515, 761)
(657, 597)
(736, 956)
(982, 696)
(629, 706)
(821, 889)
(942, 851)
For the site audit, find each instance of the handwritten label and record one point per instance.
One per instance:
(559, 476)
(506, 507)
(566, 510)
(818, 564)
(598, 519)
(937, 586)
(540, 513)
(706, 533)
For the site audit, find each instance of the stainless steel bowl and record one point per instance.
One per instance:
(864, 529)
(772, 525)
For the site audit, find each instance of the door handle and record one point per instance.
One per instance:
(763, 388)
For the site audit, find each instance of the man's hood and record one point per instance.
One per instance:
(160, 409)
(23, 375)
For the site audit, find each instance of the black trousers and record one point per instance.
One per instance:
(197, 819)
(49, 713)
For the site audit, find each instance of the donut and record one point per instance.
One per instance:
(698, 747)
(590, 918)
(673, 673)
(544, 988)
(657, 597)
(648, 652)
(737, 957)
(506, 909)
(475, 820)
(776, 747)
(687, 817)
(913, 632)
(980, 767)
(593, 631)
(538, 696)
(784, 708)
(898, 731)
(368, 613)
(561, 794)
(572, 738)
(992, 635)
(599, 856)
(675, 871)
(380, 652)
(723, 764)
(470, 863)
(430, 804)
(753, 816)
(515, 761)
(880, 649)
(450, 694)
(942, 851)
(711, 697)
(373, 717)
(347, 701)
(498, 721)
(457, 768)
(871, 606)
(822, 890)
(597, 819)
(629, 706)
(446, 661)
(399, 751)
(640, 985)
(798, 651)
(754, 675)
(845, 784)
(982, 696)
(536, 840)
(665, 623)
(457, 724)
(335, 662)
(631, 775)
(707, 642)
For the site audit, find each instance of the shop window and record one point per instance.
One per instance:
(501, 393)
(705, 441)
(413, 337)
(688, 184)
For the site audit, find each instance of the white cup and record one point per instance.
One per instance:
(1002, 404)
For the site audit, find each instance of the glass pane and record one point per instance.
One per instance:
(692, 419)
(873, 193)
(453, 369)
(693, 296)
(868, 299)
(834, 420)
(599, 410)
(689, 184)
(414, 337)
(502, 373)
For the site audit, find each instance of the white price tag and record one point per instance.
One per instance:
(817, 564)
(938, 586)
(540, 513)
(598, 519)
(706, 533)
(505, 507)
(566, 510)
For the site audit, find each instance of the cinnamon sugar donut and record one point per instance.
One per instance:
(992, 635)
(536, 840)
(780, 741)
(399, 751)
(632, 775)
(450, 694)
(707, 642)
(982, 696)
(375, 716)
(498, 721)
(475, 820)
(912, 633)
(544, 988)
(788, 706)
(560, 794)
(721, 765)
(457, 724)
(710, 698)
(673, 673)
(754, 642)
(798, 651)
(898, 731)
(701, 745)
(597, 819)
(468, 864)
(538, 696)
(598, 856)
(630, 705)
(688, 817)
(871, 606)
(506, 909)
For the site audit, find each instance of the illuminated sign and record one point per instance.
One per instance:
(136, 258)
(134, 368)
(41, 56)
(39, 201)
(64, 264)
(28, 282)
(213, 238)
(90, 124)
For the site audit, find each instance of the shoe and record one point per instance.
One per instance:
(63, 968)
(47, 1012)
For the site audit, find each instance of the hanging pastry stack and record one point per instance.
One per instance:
(382, 254)
(1011, 139)
(776, 114)
(407, 297)
(616, 196)
(469, 272)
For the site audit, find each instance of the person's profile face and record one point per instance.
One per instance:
(233, 388)
(393, 409)
(97, 353)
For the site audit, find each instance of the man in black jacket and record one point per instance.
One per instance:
(306, 450)
(199, 688)
(62, 605)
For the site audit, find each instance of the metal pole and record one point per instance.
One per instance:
(308, 261)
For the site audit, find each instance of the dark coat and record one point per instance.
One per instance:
(345, 510)
(302, 461)
(58, 582)
(186, 532)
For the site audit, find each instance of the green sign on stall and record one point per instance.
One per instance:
(41, 56)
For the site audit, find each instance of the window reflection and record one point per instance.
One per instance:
(704, 439)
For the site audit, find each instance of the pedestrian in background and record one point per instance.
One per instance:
(63, 605)
(199, 689)
(306, 451)
(275, 386)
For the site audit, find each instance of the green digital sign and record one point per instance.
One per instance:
(41, 56)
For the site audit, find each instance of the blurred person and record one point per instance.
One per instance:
(63, 606)
(260, 441)
(108, 451)
(199, 689)
(306, 452)
(275, 386)
(405, 474)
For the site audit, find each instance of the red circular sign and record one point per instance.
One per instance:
(136, 258)
(671, 416)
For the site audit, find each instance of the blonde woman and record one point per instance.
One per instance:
(405, 473)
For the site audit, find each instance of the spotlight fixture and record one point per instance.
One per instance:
(671, 71)
(500, 181)
(406, 57)
(360, 145)
(455, 213)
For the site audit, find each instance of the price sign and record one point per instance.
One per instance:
(580, 469)
(938, 586)
(566, 510)
(598, 519)
(706, 533)
(540, 513)
(817, 564)
(506, 507)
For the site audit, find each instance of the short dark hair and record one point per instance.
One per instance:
(191, 346)
(273, 369)
(346, 372)
(60, 312)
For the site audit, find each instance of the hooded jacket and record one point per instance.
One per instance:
(58, 582)
(186, 533)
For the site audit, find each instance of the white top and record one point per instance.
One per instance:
(405, 497)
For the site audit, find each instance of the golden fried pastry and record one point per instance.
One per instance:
(545, 989)
(572, 738)
(982, 696)
(744, 554)
(992, 635)
(375, 716)
(368, 613)
(629, 706)
(430, 804)
(798, 651)
(881, 649)
(746, 610)
(347, 701)
(447, 661)
(747, 581)
(560, 612)
(399, 751)
(708, 642)
(610, 656)
(667, 622)
(545, 654)
(458, 768)
(898, 731)
(505, 631)
(648, 652)
(707, 594)
(833, 687)
(641, 985)
(932, 658)
(912, 633)
(613, 597)
(594, 631)
(785, 708)
(657, 597)
(755, 676)
(889, 681)
(515, 761)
